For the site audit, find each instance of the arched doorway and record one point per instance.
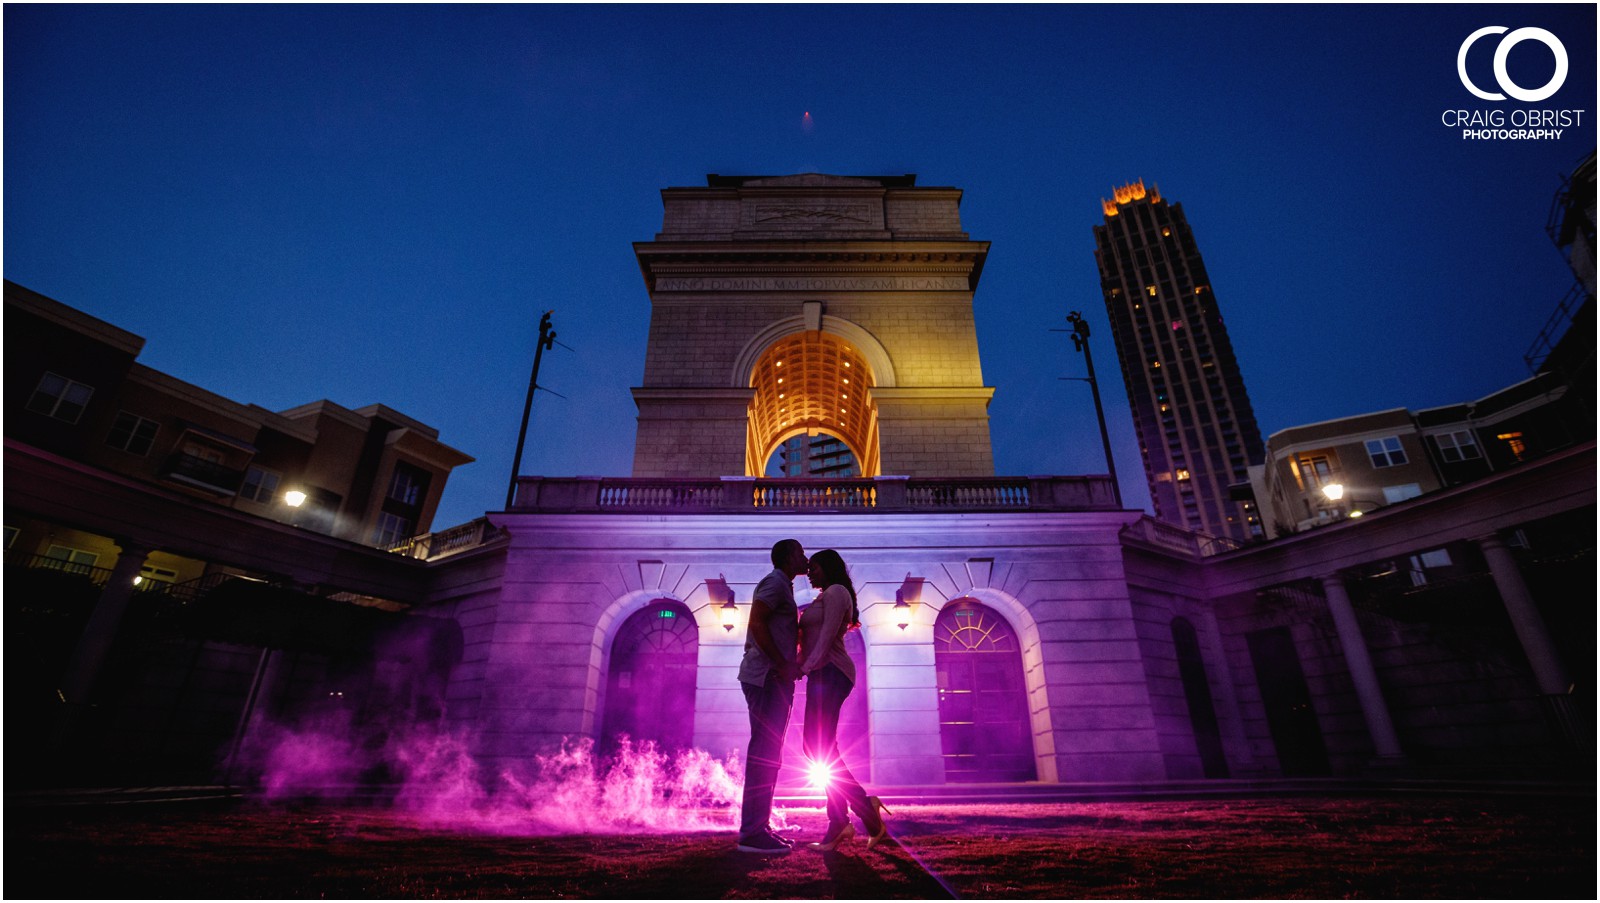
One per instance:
(983, 704)
(1197, 693)
(651, 682)
(808, 383)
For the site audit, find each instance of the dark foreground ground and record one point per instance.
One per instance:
(1387, 846)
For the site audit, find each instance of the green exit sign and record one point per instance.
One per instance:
(666, 614)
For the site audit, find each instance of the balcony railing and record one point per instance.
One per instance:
(430, 546)
(203, 474)
(97, 576)
(846, 495)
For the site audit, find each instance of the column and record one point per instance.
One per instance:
(99, 634)
(1362, 674)
(1548, 670)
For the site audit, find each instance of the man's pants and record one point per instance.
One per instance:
(769, 719)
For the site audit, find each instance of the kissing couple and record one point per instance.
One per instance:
(780, 648)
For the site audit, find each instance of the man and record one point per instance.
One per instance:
(767, 675)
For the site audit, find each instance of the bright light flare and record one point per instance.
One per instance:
(819, 774)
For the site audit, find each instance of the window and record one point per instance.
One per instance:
(154, 578)
(392, 530)
(132, 434)
(407, 485)
(73, 561)
(1392, 494)
(1458, 446)
(260, 485)
(59, 397)
(11, 535)
(1386, 452)
(1311, 471)
(1514, 442)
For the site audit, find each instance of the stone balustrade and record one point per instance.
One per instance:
(789, 494)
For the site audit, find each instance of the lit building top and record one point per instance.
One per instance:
(1133, 191)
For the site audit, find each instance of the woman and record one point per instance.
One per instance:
(830, 675)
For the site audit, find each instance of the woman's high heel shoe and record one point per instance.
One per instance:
(831, 842)
(879, 810)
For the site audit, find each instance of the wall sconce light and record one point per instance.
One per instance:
(294, 498)
(1334, 491)
(902, 611)
(718, 588)
(905, 601)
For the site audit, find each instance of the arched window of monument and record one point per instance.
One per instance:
(983, 701)
(812, 383)
(650, 685)
(855, 736)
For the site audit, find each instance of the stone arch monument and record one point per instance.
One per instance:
(827, 275)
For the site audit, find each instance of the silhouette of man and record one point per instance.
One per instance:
(767, 675)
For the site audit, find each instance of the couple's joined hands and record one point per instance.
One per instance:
(789, 671)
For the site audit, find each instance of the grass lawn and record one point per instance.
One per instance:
(1386, 847)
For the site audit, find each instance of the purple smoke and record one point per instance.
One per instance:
(431, 775)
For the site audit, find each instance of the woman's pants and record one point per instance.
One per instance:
(826, 689)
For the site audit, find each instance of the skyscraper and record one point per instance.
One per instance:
(1197, 432)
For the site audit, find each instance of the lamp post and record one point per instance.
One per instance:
(547, 338)
(1080, 342)
(1334, 492)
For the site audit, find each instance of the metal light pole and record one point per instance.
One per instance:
(1080, 342)
(547, 337)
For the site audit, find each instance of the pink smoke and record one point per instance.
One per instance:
(434, 778)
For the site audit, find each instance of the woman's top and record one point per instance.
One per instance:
(822, 632)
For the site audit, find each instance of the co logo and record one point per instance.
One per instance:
(1506, 43)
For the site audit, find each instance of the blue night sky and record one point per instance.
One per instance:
(375, 203)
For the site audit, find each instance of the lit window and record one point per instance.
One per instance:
(66, 558)
(1515, 443)
(1311, 471)
(1460, 445)
(1386, 452)
(1166, 232)
(260, 485)
(1177, 325)
(1183, 475)
(132, 434)
(1150, 290)
(59, 397)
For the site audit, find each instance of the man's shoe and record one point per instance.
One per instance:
(763, 845)
(780, 838)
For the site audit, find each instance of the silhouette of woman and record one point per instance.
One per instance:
(830, 676)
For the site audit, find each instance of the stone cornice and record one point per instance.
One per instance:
(815, 267)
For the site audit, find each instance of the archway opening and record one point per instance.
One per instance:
(984, 727)
(651, 681)
(810, 384)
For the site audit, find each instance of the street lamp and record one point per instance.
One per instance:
(1334, 492)
(1080, 342)
(547, 337)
